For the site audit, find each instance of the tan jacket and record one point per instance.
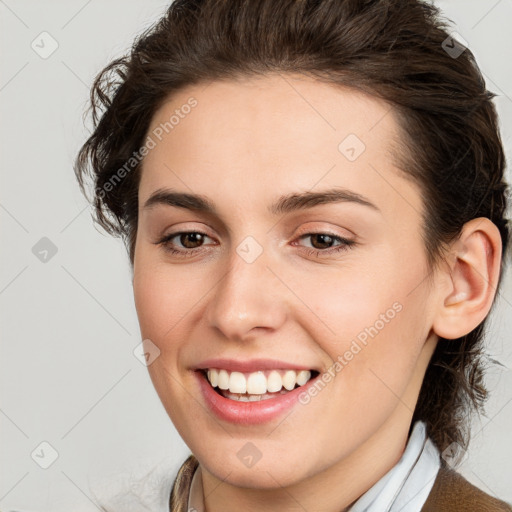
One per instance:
(453, 493)
(450, 493)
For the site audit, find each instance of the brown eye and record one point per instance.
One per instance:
(321, 240)
(325, 244)
(190, 240)
(183, 242)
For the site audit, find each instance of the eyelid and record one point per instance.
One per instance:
(346, 233)
(183, 227)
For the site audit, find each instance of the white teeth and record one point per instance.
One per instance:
(250, 398)
(237, 383)
(302, 377)
(223, 379)
(256, 384)
(289, 380)
(274, 382)
(213, 377)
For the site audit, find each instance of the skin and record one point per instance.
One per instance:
(246, 143)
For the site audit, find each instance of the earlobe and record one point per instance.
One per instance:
(473, 274)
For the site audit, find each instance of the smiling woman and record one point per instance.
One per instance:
(315, 246)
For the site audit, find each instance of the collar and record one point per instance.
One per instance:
(405, 487)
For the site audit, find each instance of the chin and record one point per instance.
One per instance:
(269, 475)
(276, 468)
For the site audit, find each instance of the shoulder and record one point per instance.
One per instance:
(181, 486)
(452, 492)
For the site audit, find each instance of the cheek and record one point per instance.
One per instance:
(161, 305)
(162, 299)
(377, 327)
(348, 301)
(148, 294)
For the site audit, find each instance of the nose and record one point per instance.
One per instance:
(248, 298)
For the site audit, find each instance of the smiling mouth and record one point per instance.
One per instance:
(258, 385)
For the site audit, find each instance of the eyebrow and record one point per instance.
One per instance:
(284, 204)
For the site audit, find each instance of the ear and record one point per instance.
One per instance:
(471, 277)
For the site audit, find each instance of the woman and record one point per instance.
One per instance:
(313, 201)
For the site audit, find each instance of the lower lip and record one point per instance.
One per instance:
(249, 413)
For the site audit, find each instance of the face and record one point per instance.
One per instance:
(304, 257)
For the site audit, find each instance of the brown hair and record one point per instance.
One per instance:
(393, 49)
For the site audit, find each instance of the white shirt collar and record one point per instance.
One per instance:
(405, 487)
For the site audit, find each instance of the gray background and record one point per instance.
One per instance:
(68, 375)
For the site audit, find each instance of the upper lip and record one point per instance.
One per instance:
(250, 365)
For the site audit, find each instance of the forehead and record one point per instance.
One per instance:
(274, 132)
(299, 107)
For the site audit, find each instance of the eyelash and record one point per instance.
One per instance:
(345, 244)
